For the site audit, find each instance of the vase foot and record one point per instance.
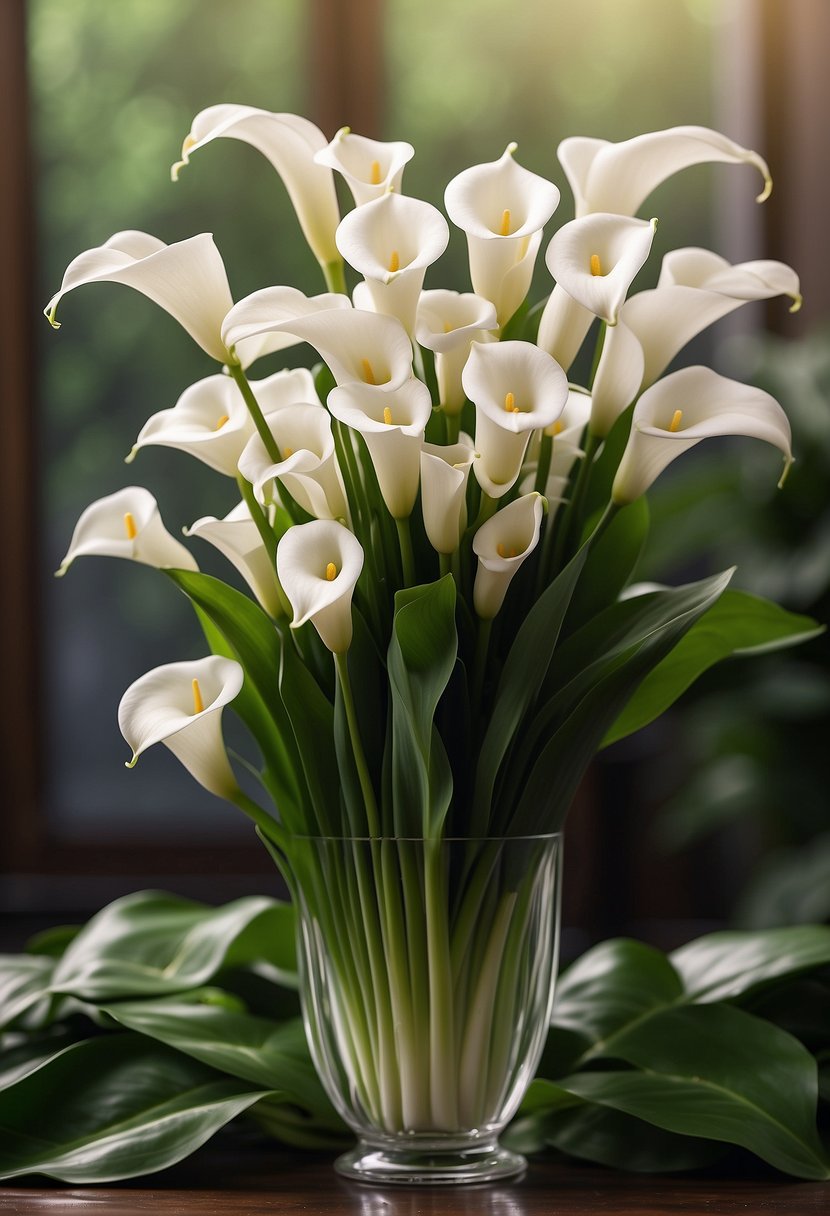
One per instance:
(422, 1166)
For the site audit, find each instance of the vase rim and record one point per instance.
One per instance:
(456, 839)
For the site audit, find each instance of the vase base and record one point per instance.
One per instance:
(421, 1167)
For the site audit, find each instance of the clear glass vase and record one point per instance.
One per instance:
(427, 983)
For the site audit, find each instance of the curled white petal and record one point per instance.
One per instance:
(595, 259)
(563, 327)
(237, 538)
(448, 323)
(160, 707)
(186, 279)
(358, 346)
(290, 143)
(127, 524)
(318, 565)
(501, 545)
(260, 323)
(618, 378)
(369, 166)
(308, 470)
(209, 420)
(685, 407)
(445, 469)
(619, 177)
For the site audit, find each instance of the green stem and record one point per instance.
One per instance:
(571, 520)
(453, 427)
(543, 468)
(266, 823)
(257, 416)
(407, 556)
(373, 819)
(480, 662)
(445, 563)
(443, 1065)
(600, 343)
(335, 275)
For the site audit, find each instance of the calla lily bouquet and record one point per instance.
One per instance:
(438, 530)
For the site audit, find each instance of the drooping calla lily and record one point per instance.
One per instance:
(127, 524)
(186, 279)
(290, 143)
(696, 288)
(596, 259)
(448, 322)
(618, 378)
(516, 389)
(619, 177)
(209, 420)
(445, 469)
(237, 538)
(502, 207)
(685, 407)
(369, 167)
(391, 241)
(501, 545)
(257, 324)
(392, 424)
(308, 470)
(563, 327)
(180, 705)
(318, 564)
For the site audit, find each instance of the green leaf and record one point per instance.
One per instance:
(24, 980)
(113, 1107)
(738, 624)
(271, 1055)
(148, 944)
(52, 942)
(727, 965)
(718, 1073)
(311, 715)
(611, 562)
(422, 654)
(615, 1139)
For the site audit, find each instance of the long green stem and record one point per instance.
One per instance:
(443, 1066)
(407, 556)
(335, 275)
(257, 416)
(480, 663)
(372, 818)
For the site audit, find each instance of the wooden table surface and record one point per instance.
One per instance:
(246, 1182)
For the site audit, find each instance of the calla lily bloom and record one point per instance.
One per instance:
(567, 432)
(563, 327)
(618, 378)
(257, 325)
(180, 705)
(597, 258)
(187, 279)
(308, 470)
(685, 407)
(209, 420)
(237, 538)
(696, 288)
(318, 565)
(290, 143)
(127, 524)
(448, 323)
(445, 469)
(392, 424)
(619, 177)
(502, 208)
(391, 242)
(369, 167)
(516, 389)
(501, 545)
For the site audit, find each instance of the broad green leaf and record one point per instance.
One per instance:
(52, 942)
(148, 944)
(30, 1055)
(726, 965)
(718, 1073)
(618, 1140)
(422, 654)
(311, 715)
(738, 624)
(611, 562)
(114, 1107)
(24, 980)
(271, 1055)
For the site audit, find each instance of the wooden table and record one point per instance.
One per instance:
(247, 1182)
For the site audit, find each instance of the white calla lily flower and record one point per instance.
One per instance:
(502, 208)
(237, 538)
(445, 469)
(619, 177)
(595, 259)
(358, 346)
(186, 279)
(308, 470)
(516, 389)
(392, 424)
(563, 327)
(501, 545)
(685, 407)
(180, 705)
(318, 565)
(209, 420)
(618, 377)
(370, 167)
(567, 433)
(391, 242)
(447, 323)
(127, 524)
(290, 143)
(258, 324)
(696, 288)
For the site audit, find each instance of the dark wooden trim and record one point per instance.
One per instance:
(346, 53)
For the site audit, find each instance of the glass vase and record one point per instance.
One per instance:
(427, 971)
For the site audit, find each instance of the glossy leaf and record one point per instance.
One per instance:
(114, 1107)
(611, 563)
(24, 980)
(726, 965)
(613, 1138)
(738, 624)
